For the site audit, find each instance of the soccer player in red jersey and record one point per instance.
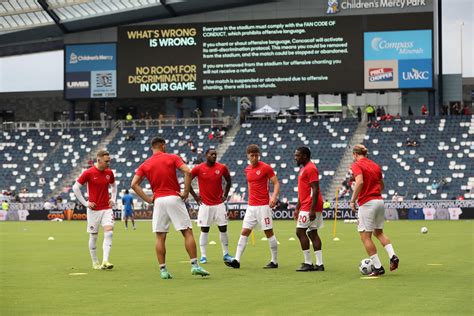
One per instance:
(308, 212)
(99, 205)
(259, 209)
(367, 192)
(160, 170)
(211, 200)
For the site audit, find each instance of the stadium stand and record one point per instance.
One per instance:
(438, 167)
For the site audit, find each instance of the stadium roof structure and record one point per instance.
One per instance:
(24, 21)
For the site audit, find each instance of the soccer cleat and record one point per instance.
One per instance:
(96, 266)
(164, 274)
(228, 259)
(271, 265)
(106, 266)
(197, 270)
(203, 260)
(305, 267)
(234, 264)
(394, 263)
(318, 268)
(377, 272)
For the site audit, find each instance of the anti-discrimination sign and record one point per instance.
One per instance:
(90, 71)
(282, 56)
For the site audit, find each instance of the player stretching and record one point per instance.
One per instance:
(99, 206)
(127, 201)
(308, 210)
(160, 170)
(211, 201)
(368, 187)
(259, 209)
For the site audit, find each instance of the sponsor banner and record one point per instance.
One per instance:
(343, 7)
(90, 71)
(90, 57)
(77, 85)
(381, 74)
(415, 73)
(398, 45)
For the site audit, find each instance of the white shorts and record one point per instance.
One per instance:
(212, 214)
(304, 222)
(261, 215)
(371, 216)
(170, 209)
(95, 219)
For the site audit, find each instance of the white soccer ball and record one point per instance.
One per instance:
(424, 230)
(366, 266)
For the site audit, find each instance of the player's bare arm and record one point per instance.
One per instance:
(113, 197)
(136, 181)
(382, 185)
(297, 209)
(187, 181)
(276, 191)
(314, 200)
(76, 188)
(228, 184)
(359, 179)
(195, 196)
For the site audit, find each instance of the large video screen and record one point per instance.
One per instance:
(268, 57)
(90, 71)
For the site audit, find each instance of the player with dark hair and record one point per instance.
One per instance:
(211, 200)
(308, 211)
(99, 205)
(259, 209)
(367, 192)
(127, 201)
(160, 170)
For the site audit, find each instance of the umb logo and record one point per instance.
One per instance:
(78, 84)
(333, 7)
(73, 58)
(380, 74)
(415, 74)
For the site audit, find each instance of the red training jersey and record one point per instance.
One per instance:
(308, 175)
(160, 170)
(98, 186)
(257, 178)
(372, 174)
(210, 182)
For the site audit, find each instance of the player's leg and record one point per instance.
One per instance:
(302, 225)
(160, 226)
(132, 218)
(248, 224)
(181, 221)
(366, 216)
(204, 221)
(316, 224)
(108, 225)
(265, 221)
(203, 240)
(93, 222)
(379, 234)
(126, 220)
(221, 219)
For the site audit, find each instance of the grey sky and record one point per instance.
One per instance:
(454, 13)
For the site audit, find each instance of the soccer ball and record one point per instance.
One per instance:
(424, 230)
(366, 266)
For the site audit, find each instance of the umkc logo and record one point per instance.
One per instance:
(380, 74)
(415, 74)
(378, 44)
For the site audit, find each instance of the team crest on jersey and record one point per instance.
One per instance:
(258, 172)
(107, 177)
(218, 171)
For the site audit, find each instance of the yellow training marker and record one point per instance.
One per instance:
(369, 278)
(78, 273)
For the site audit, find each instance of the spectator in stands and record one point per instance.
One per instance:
(128, 137)
(147, 116)
(412, 143)
(359, 114)
(410, 111)
(434, 185)
(129, 117)
(374, 124)
(456, 109)
(42, 182)
(424, 110)
(378, 111)
(397, 117)
(466, 110)
(5, 206)
(370, 110)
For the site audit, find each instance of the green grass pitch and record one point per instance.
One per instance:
(435, 276)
